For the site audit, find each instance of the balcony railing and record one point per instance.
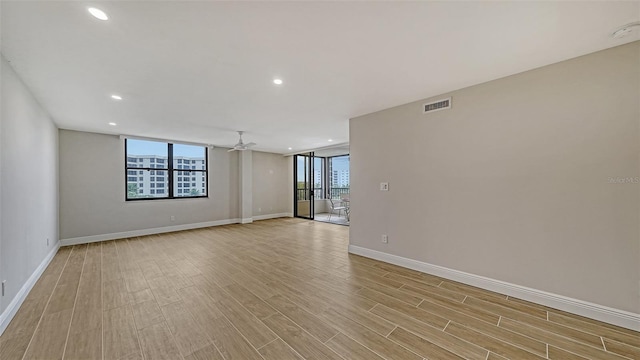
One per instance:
(336, 193)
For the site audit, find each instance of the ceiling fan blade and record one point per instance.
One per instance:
(241, 146)
(232, 149)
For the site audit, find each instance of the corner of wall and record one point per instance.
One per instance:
(7, 315)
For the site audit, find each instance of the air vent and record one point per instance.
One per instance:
(438, 105)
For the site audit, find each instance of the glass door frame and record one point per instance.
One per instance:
(309, 184)
(329, 166)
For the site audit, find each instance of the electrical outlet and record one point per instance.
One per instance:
(173, 218)
(47, 241)
(4, 282)
(385, 239)
(384, 186)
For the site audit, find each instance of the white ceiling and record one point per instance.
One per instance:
(198, 71)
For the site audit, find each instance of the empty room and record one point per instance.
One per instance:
(276, 180)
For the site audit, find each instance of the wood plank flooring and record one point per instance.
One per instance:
(280, 289)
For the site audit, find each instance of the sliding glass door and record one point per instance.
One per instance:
(303, 204)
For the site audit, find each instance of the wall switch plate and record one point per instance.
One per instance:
(173, 218)
(384, 186)
(385, 239)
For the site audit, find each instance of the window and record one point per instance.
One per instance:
(319, 183)
(338, 176)
(146, 158)
(189, 154)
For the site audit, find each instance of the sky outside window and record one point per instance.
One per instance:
(145, 147)
(339, 163)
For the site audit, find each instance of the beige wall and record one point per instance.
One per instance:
(29, 185)
(271, 184)
(512, 183)
(92, 189)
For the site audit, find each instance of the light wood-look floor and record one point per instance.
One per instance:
(279, 289)
(332, 218)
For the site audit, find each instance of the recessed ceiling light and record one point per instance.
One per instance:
(290, 148)
(98, 14)
(277, 81)
(330, 140)
(116, 97)
(112, 124)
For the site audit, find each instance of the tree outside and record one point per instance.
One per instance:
(132, 190)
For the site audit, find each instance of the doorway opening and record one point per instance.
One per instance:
(322, 186)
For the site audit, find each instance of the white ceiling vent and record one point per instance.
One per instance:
(437, 105)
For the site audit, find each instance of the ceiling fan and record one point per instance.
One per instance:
(241, 146)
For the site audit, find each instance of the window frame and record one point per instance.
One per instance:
(170, 169)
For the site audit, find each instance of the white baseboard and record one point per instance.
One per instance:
(165, 229)
(143, 232)
(271, 216)
(606, 314)
(8, 314)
